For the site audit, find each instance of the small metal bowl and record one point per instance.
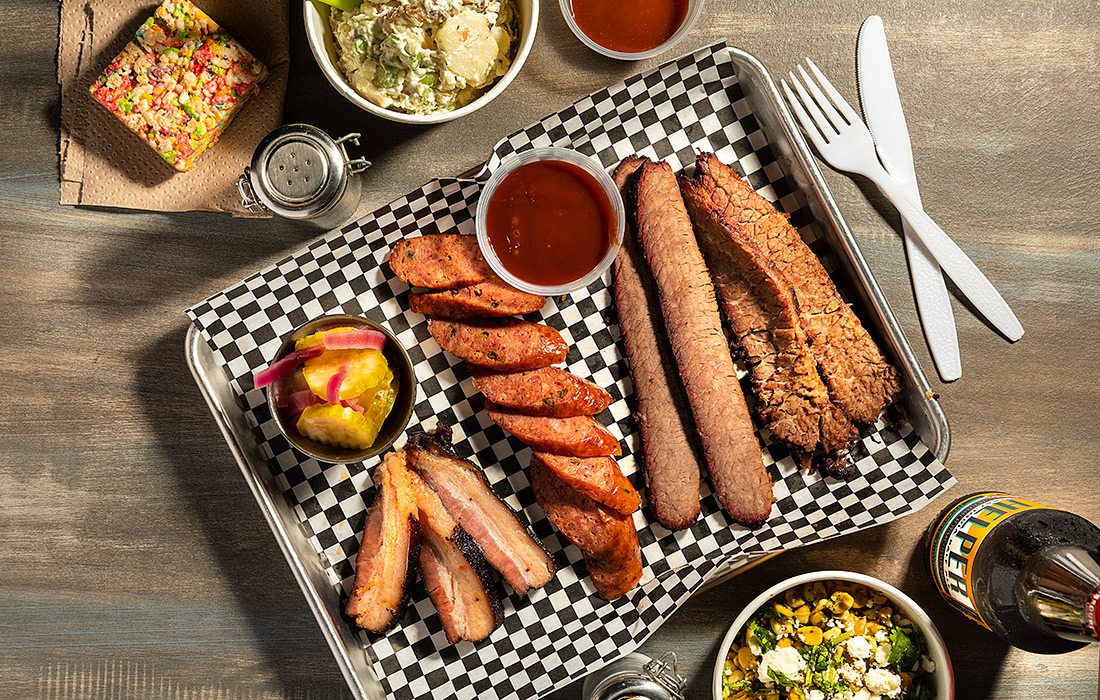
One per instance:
(395, 423)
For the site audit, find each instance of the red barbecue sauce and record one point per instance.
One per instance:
(550, 222)
(629, 27)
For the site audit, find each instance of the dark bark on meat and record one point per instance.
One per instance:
(694, 327)
(493, 298)
(502, 345)
(860, 380)
(580, 436)
(792, 400)
(606, 537)
(467, 495)
(599, 478)
(456, 573)
(440, 261)
(543, 392)
(671, 457)
(389, 551)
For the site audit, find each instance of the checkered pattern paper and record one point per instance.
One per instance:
(563, 631)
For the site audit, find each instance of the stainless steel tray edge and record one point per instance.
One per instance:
(323, 600)
(923, 409)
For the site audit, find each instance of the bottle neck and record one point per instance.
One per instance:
(1059, 590)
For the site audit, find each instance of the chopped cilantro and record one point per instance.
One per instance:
(764, 637)
(818, 658)
(780, 678)
(903, 653)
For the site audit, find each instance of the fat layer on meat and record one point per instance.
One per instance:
(466, 494)
(548, 391)
(694, 327)
(492, 298)
(860, 379)
(606, 537)
(579, 436)
(791, 398)
(599, 478)
(670, 459)
(389, 551)
(439, 261)
(455, 573)
(502, 345)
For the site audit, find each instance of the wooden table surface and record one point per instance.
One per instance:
(133, 561)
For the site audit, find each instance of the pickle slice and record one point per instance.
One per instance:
(341, 426)
(366, 369)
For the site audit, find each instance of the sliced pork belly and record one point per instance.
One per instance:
(455, 573)
(390, 548)
(548, 391)
(466, 494)
(599, 478)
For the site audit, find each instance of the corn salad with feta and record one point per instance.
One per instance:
(425, 56)
(179, 82)
(831, 640)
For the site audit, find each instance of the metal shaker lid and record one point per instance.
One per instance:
(298, 170)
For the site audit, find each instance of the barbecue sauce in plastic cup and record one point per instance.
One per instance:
(633, 27)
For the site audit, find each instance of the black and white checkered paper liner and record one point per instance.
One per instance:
(564, 630)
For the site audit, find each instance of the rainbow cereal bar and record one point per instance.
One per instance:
(179, 82)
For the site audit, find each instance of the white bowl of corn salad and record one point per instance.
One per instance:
(833, 635)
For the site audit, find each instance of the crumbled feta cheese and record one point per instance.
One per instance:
(882, 653)
(815, 694)
(883, 682)
(785, 660)
(753, 646)
(842, 695)
(862, 694)
(850, 674)
(881, 635)
(928, 664)
(858, 647)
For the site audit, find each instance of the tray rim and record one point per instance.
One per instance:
(370, 688)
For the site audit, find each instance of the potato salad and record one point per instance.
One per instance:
(425, 56)
(829, 641)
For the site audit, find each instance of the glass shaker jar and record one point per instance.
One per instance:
(636, 677)
(300, 172)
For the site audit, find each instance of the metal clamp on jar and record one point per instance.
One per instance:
(300, 172)
(636, 677)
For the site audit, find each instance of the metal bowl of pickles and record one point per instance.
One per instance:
(833, 635)
(341, 388)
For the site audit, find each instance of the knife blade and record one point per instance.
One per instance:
(883, 113)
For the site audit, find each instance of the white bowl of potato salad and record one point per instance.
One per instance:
(833, 635)
(421, 61)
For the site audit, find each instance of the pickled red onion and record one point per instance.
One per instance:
(280, 368)
(332, 391)
(358, 339)
(301, 400)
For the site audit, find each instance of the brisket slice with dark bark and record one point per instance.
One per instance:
(791, 398)
(694, 328)
(670, 462)
(860, 380)
(455, 572)
(466, 494)
(389, 551)
(606, 537)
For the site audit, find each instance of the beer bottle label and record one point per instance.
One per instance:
(957, 538)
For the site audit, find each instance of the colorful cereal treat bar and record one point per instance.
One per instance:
(179, 82)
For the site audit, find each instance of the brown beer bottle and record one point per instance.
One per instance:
(1028, 573)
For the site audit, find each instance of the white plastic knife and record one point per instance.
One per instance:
(878, 93)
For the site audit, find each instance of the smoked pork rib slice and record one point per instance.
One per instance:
(606, 537)
(860, 380)
(502, 345)
(384, 567)
(792, 400)
(466, 494)
(455, 572)
(492, 298)
(694, 327)
(439, 261)
(548, 391)
(670, 462)
(599, 478)
(579, 436)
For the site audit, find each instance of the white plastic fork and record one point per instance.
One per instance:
(844, 142)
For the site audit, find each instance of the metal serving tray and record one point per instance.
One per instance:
(794, 157)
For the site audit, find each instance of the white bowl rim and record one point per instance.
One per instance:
(317, 26)
(944, 673)
(693, 14)
(587, 163)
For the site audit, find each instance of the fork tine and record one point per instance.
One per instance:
(810, 106)
(804, 119)
(826, 106)
(837, 99)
